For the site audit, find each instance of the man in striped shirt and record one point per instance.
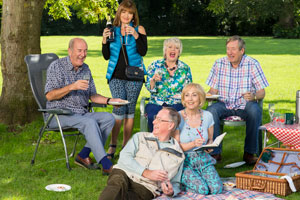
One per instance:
(240, 82)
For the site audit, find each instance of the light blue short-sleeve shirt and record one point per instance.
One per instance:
(188, 134)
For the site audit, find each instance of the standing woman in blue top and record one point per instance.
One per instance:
(126, 22)
(196, 128)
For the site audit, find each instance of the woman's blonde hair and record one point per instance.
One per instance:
(200, 91)
(173, 40)
(130, 7)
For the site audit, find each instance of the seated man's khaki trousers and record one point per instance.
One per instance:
(121, 187)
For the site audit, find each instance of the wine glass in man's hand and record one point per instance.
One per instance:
(86, 77)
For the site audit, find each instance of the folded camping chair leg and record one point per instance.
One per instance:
(260, 142)
(64, 142)
(74, 148)
(222, 131)
(143, 118)
(40, 137)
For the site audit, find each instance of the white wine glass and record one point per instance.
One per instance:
(271, 111)
(86, 77)
(159, 72)
(164, 169)
(126, 35)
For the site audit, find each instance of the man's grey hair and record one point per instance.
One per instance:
(173, 116)
(72, 41)
(242, 44)
(175, 41)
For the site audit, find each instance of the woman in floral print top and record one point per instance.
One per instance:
(166, 79)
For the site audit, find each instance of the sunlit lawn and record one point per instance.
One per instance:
(279, 58)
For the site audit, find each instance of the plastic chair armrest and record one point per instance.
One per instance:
(56, 111)
(97, 105)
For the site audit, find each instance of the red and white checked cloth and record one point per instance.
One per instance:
(287, 134)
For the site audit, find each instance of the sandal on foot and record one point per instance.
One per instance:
(111, 155)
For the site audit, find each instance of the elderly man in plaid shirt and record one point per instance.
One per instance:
(240, 82)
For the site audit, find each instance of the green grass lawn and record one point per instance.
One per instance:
(279, 58)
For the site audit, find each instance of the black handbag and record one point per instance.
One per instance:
(133, 73)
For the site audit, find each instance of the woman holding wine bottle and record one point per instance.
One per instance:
(126, 49)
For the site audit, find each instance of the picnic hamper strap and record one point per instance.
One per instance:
(260, 164)
(294, 165)
(126, 62)
(290, 181)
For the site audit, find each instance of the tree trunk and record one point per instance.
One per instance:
(286, 16)
(20, 35)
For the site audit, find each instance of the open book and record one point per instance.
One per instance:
(215, 144)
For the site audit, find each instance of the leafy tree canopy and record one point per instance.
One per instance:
(257, 9)
(91, 11)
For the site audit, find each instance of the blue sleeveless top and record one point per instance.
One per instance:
(134, 58)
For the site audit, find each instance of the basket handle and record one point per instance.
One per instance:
(257, 187)
(296, 166)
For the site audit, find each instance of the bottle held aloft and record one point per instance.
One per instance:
(109, 25)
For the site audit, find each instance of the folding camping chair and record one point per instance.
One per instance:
(37, 65)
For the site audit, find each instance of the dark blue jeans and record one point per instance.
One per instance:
(153, 109)
(252, 114)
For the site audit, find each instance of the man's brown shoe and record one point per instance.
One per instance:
(217, 157)
(106, 172)
(86, 163)
(249, 158)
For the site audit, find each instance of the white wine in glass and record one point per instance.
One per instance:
(159, 72)
(271, 111)
(86, 77)
(126, 35)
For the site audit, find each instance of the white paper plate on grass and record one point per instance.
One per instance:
(234, 165)
(58, 187)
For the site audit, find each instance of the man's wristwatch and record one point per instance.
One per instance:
(107, 101)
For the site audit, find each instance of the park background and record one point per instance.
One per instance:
(203, 26)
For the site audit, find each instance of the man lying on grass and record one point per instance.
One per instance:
(150, 164)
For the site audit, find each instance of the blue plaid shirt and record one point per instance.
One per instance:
(61, 73)
(233, 82)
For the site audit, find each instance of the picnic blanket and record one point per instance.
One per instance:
(234, 194)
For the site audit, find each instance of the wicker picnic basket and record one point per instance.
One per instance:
(267, 174)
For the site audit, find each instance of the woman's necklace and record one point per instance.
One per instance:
(173, 68)
(199, 130)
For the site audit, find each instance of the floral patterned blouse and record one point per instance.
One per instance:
(168, 90)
